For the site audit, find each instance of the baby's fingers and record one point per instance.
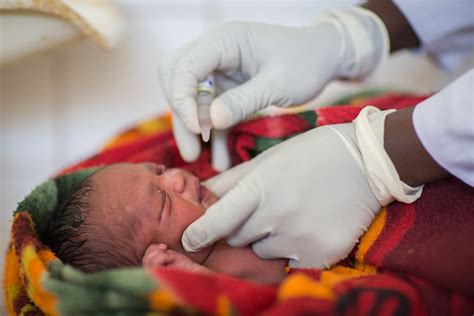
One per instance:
(157, 256)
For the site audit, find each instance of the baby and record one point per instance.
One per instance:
(132, 214)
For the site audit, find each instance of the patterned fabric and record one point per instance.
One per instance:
(414, 259)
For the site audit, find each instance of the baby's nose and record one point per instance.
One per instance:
(174, 179)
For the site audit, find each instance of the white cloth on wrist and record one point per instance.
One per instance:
(380, 171)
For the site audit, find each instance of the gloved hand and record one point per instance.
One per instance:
(308, 199)
(256, 65)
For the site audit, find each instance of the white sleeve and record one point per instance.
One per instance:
(445, 28)
(445, 125)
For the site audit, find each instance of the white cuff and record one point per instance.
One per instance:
(381, 173)
(365, 38)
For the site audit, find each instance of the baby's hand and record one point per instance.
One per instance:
(158, 255)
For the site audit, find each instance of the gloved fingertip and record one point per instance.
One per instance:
(221, 115)
(190, 156)
(220, 164)
(192, 124)
(188, 143)
(193, 238)
(186, 109)
(234, 242)
(220, 152)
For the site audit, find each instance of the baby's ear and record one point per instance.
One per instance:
(152, 255)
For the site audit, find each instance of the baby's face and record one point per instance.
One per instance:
(157, 203)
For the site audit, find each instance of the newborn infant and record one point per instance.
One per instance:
(131, 214)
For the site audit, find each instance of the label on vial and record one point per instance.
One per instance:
(207, 86)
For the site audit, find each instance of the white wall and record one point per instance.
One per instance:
(59, 107)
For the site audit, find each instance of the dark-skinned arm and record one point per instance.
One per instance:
(413, 163)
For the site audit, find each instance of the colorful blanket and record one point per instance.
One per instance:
(415, 259)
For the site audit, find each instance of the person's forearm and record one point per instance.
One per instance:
(399, 29)
(413, 163)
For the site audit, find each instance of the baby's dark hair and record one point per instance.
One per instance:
(90, 247)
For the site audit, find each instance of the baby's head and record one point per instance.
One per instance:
(122, 209)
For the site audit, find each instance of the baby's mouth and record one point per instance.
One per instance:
(203, 193)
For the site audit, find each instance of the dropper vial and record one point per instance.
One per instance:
(205, 95)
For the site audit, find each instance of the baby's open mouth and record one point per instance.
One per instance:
(203, 193)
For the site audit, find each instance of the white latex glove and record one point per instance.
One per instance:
(308, 199)
(256, 65)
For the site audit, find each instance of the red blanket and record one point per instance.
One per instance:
(415, 259)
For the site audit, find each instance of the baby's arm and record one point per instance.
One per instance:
(160, 256)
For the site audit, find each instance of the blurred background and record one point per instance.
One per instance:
(59, 106)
